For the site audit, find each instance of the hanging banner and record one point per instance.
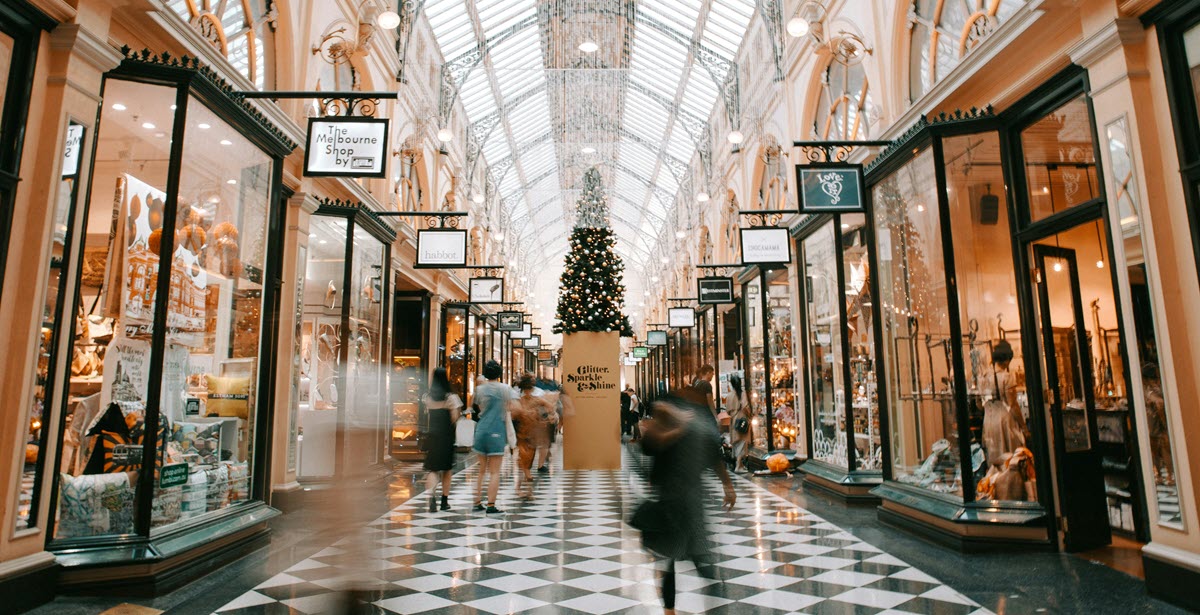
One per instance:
(487, 290)
(714, 290)
(681, 318)
(346, 147)
(656, 338)
(641, 352)
(510, 321)
(523, 334)
(830, 188)
(441, 248)
(767, 245)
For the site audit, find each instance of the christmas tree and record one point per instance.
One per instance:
(591, 295)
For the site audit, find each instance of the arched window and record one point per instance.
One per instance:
(944, 32)
(408, 188)
(236, 28)
(844, 109)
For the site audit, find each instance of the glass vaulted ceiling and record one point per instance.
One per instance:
(563, 110)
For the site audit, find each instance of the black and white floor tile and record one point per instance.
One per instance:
(569, 550)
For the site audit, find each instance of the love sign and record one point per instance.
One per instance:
(830, 188)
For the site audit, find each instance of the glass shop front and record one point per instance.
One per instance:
(769, 359)
(344, 424)
(160, 435)
(410, 330)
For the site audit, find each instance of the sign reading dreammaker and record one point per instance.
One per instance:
(830, 188)
(767, 245)
(346, 147)
(715, 290)
(441, 248)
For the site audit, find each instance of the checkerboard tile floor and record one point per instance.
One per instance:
(568, 550)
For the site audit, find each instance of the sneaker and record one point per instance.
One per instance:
(479, 508)
(543, 470)
(492, 510)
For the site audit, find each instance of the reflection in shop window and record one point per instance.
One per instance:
(860, 329)
(1060, 160)
(1143, 353)
(238, 29)
(824, 362)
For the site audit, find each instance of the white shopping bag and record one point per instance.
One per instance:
(464, 433)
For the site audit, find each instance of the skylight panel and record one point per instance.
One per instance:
(678, 14)
(680, 145)
(499, 16)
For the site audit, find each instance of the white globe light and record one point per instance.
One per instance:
(797, 27)
(735, 137)
(702, 197)
(500, 237)
(388, 20)
(477, 197)
(680, 234)
(588, 150)
(444, 135)
(588, 46)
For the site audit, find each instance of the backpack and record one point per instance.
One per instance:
(741, 425)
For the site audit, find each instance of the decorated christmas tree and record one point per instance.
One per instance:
(591, 295)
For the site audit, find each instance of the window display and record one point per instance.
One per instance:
(916, 357)
(183, 371)
(860, 343)
(782, 350)
(455, 349)
(826, 388)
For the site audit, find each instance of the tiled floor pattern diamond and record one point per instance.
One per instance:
(569, 551)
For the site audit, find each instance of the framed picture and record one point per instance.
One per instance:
(510, 321)
(487, 290)
(656, 338)
(681, 318)
(441, 248)
(766, 245)
(828, 187)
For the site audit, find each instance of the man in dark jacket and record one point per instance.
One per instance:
(626, 422)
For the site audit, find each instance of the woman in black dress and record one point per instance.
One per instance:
(442, 409)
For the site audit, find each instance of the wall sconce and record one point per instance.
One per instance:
(846, 48)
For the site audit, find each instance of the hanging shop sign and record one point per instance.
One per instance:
(510, 321)
(681, 318)
(487, 290)
(656, 338)
(767, 245)
(546, 356)
(441, 248)
(523, 334)
(830, 188)
(534, 342)
(641, 352)
(714, 290)
(346, 147)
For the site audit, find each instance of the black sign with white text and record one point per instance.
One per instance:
(715, 290)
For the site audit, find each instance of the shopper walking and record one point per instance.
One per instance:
(531, 420)
(496, 401)
(635, 415)
(442, 409)
(703, 385)
(626, 419)
(740, 425)
(684, 445)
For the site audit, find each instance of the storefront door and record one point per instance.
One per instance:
(1070, 379)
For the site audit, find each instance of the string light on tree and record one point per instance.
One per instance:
(592, 294)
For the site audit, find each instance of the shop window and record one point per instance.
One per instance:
(455, 350)
(916, 357)
(7, 45)
(998, 408)
(860, 343)
(1146, 372)
(236, 28)
(943, 32)
(364, 375)
(1060, 160)
(844, 108)
(52, 327)
(826, 386)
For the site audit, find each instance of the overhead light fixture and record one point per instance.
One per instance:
(203, 126)
(647, 293)
(588, 46)
(1100, 264)
(444, 135)
(148, 125)
(680, 234)
(702, 197)
(226, 142)
(735, 137)
(231, 182)
(797, 27)
(477, 197)
(120, 107)
(588, 150)
(500, 237)
(665, 260)
(654, 279)
(388, 20)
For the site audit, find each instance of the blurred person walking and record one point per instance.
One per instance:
(740, 426)
(496, 400)
(684, 444)
(442, 409)
(532, 420)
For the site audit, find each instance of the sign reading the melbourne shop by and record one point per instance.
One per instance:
(441, 248)
(766, 245)
(715, 290)
(830, 188)
(346, 147)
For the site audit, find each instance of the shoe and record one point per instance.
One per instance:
(543, 470)
(445, 503)
(479, 508)
(432, 504)
(492, 510)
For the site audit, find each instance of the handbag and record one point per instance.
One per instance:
(464, 433)
(511, 432)
(660, 534)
